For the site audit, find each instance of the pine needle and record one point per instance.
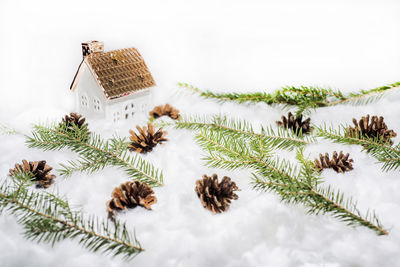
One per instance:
(95, 153)
(385, 153)
(278, 138)
(48, 218)
(299, 183)
(6, 130)
(303, 97)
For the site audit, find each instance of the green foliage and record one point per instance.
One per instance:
(6, 130)
(95, 153)
(267, 136)
(48, 218)
(303, 97)
(369, 96)
(386, 154)
(294, 184)
(234, 144)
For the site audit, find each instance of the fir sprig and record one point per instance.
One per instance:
(386, 154)
(95, 153)
(6, 130)
(48, 218)
(303, 97)
(293, 184)
(278, 138)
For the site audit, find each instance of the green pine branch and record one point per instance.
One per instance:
(293, 184)
(49, 218)
(365, 97)
(6, 130)
(95, 153)
(278, 138)
(385, 153)
(303, 97)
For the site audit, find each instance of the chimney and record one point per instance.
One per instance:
(92, 47)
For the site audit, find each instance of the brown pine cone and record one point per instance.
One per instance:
(166, 110)
(74, 119)
(215, 196)
(377, 128)
(130, 195)
(340, 163)
(296, 124)
(39, 171)
(146, 139)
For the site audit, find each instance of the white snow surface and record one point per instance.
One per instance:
(225, 46)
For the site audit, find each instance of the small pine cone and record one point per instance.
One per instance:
(166, 110)
(146, 139)
(215, 196)
(296, 124)
(72, 119)
(340, 163)
(130, 195)
(377, 128)
(39, 170)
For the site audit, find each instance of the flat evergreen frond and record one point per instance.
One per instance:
(269, 137)
(280, 176)
(6, 130)
(216, 160)
(223, 97)
(48, 218)
(308, 97)
(365, 97)
(334, 202)
(160, 123)
(95, 153)
(304, 97)
(214, 141)
(237, 153)
(386, 154)
(306, 189)
(81, 165)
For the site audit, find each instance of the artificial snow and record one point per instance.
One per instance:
(225, 46)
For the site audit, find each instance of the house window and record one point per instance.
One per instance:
(117, 116)
(84, 101)
(129, 110)
(96, 104)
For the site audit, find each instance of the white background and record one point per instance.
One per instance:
(221, 45)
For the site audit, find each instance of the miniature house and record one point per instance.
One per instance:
(114, 85)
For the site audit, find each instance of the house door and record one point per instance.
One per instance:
(129, 110)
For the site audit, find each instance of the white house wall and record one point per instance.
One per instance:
(115, 110)
(88, 87)
(121, 108)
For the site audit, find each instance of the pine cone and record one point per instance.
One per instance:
(39, 170)
(147, 138)
(215, 196)
(377, 128)
(130, 195)
(166, 110)
(68, 123)
(340, 163)
(296, 124)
